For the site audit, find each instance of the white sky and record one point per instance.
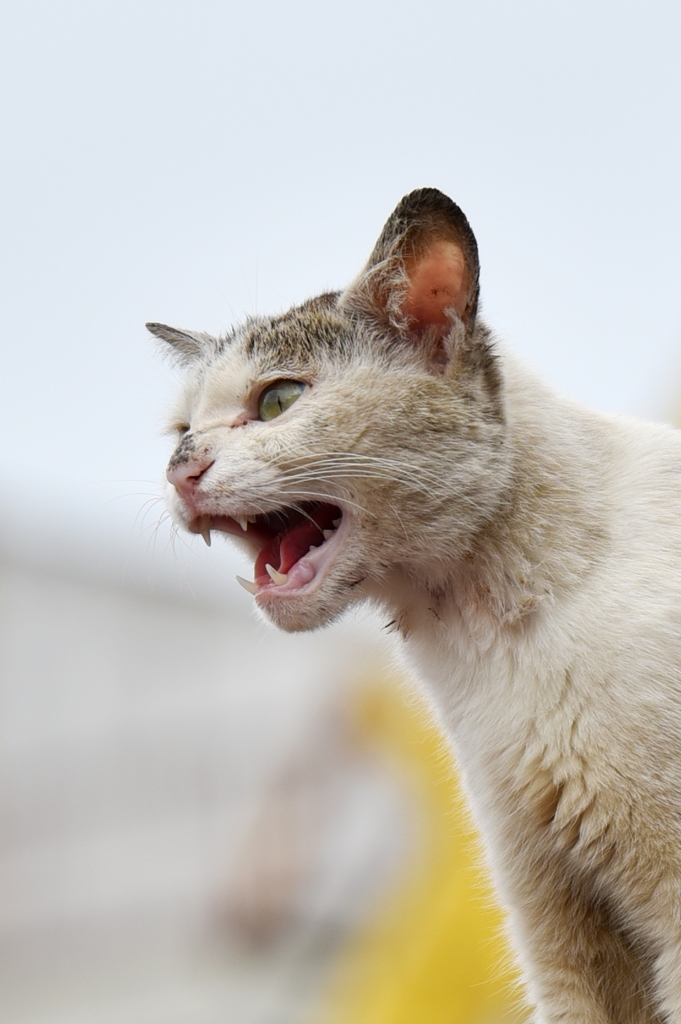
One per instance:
(192, 162)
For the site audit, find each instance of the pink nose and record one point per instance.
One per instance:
(184, 476)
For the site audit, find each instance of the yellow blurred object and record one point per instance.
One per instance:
(434, 953)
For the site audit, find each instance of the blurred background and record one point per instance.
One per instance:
(202, 821)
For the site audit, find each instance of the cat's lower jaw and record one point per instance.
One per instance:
(298, 584)
(313, 591)
(303, 610)
(317, 603)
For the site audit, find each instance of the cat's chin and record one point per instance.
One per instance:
(299, 613)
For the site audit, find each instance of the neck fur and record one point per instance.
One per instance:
(548, 531)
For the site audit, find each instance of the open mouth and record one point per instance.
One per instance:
(295, 544)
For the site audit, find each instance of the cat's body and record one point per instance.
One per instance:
(529, 553)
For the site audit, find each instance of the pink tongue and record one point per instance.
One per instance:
(297, 543)
(284, 552)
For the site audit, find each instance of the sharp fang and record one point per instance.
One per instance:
(336, 523)
(277, 577)
(243, 522)
(252, 588)
(328, 533)
(204, 528)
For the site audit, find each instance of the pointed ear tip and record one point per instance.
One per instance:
(427, 192)
(161, 331)
(435, 202)
(429, 199)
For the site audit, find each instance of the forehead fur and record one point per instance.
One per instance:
(307, 334)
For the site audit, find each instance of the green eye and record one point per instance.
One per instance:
(278, 397)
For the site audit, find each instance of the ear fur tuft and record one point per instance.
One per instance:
(188, 346)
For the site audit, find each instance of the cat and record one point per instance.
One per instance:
(378, 444)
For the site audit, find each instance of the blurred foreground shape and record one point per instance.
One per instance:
(204, 821)
(434, 952)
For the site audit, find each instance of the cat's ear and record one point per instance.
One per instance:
(188, 346)
(423, 274)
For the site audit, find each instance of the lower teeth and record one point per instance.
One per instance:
(277, 577)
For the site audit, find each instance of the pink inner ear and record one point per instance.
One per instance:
(438, 281)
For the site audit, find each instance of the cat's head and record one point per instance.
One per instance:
(356, 438)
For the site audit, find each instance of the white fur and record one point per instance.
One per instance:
(576, 708)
